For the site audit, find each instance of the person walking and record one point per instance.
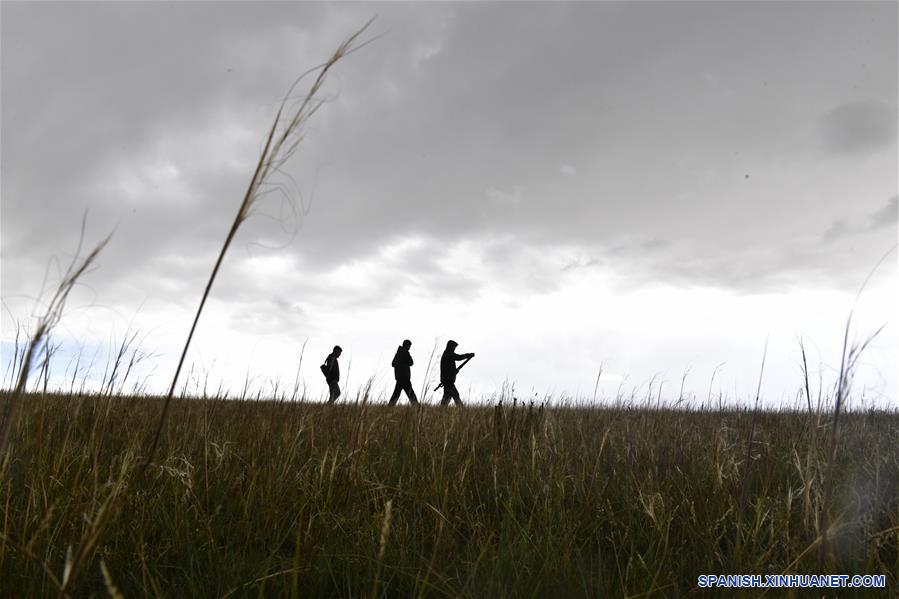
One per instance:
(331, 370)
(448, 371)
(402, 372)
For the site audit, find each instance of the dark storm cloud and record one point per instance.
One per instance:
(688, 82)
(98, 90)
(518, 128)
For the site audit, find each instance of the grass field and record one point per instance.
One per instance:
(250, 498)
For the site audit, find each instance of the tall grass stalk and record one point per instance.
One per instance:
(296, 381)
(45, 325)
(848, 362)
(808, 394)
(596, 386)
(748, 461)
(426, 382)
(278, 149)
(382, 546)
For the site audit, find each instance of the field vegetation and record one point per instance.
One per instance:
(280, 498)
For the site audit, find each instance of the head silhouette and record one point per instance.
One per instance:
(407, 344)
(337, 350)
(451, 344)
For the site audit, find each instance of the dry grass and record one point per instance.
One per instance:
(294, 499)
(39, 340)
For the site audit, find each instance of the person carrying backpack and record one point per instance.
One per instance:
(331, 370)
(402, 372)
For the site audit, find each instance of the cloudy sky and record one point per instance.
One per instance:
(657, 188)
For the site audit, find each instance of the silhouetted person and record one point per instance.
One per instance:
(402, 372)
(331, 370)
(448, 372)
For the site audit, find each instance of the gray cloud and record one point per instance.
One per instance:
(886, 216)
(839, 258)
(875, 222)
(860, 127)
(838, 230)
(270, 315)
(451, 127)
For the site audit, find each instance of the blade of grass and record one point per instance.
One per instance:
(45, 324)
(277, 150)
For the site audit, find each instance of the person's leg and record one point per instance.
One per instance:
(396, 393)
(456, 397)
(446, 395)
(410, 392)
(334, 388)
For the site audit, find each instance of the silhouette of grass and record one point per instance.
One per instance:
(40, 339)
(282, 141)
